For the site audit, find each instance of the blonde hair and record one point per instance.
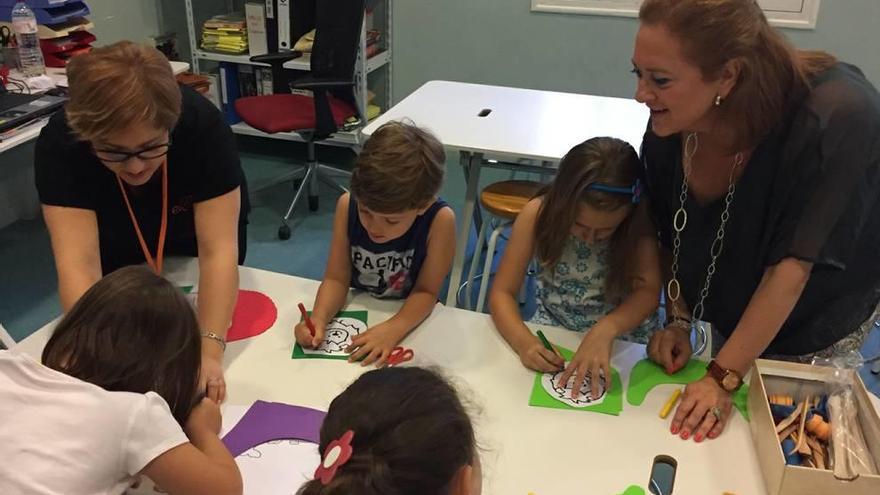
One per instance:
(400, 168)
(116, 86)
(604, 160)
(773, 76)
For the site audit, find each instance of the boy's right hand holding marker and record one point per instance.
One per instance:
(304, 336)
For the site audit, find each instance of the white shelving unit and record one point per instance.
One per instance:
(364, 67)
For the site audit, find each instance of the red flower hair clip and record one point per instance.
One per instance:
(337, 453)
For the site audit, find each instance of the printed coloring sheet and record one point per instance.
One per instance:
(550, 382)
(340, 331)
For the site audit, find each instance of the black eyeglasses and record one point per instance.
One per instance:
(150, 153)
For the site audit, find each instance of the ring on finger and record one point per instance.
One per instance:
(716, 411)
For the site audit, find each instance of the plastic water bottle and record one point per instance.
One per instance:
(30, 58)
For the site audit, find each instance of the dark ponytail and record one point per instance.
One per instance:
(411, 435)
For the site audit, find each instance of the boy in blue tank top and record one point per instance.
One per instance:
(392, 237)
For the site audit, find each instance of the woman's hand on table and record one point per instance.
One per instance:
(694, 416)
(670, 348)
(211, 373)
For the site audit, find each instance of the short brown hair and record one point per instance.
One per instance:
(118, 85)
(606, 160)
(400, 168)
(133, 331)
(773, 76)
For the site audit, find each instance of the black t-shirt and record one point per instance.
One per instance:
(809, 191)
(203, 164)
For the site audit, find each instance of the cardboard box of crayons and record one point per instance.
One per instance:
(803, 388)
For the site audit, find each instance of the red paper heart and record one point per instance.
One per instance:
(254, 314)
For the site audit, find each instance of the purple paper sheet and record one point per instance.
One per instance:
(266, 421)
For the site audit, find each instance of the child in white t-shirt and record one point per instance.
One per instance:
(115, 397)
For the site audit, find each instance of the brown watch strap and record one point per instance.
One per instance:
(719, 374)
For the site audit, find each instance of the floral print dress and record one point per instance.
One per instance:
(571, 294)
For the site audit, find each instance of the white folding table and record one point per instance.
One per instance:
(523, 448)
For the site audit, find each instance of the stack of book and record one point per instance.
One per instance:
(225, 34)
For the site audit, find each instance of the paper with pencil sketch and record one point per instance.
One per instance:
(276, 467)
(339, 332)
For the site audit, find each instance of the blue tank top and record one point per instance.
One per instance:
(389, 269)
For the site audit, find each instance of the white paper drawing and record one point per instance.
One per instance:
(340, 331)
(550, 382)
(278, 467)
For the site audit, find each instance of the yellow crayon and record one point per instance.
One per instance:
(671, 402)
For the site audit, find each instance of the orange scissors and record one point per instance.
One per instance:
(399, 355)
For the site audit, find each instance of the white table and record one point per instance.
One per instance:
(521, 124)
(547, 451)
(31, 130)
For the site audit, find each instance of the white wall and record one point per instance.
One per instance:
(503, 42)
(134, 20)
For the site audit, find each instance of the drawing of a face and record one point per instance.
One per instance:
(340, 331)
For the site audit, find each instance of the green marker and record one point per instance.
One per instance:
(546, 342)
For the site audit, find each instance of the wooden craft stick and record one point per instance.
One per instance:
(813, 442)
(787, 432)
(802, 446)
(789, 420)
(794, 438)
(818, 451)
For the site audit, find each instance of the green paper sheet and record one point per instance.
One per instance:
(647, 374)
(299, 353)
(612, 404)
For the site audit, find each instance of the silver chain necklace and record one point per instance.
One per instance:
(679, 222)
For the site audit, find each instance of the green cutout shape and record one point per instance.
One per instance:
(647, 374)
(634, 490)
(612, 404)
(298, 352)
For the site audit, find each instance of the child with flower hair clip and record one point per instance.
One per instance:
(375, 443)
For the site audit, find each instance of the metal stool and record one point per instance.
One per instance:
(502, 200)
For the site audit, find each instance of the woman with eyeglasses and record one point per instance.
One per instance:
(137, 168)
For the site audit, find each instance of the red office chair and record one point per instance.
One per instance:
(337, 25)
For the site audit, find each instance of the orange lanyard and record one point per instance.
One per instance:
(160, 249)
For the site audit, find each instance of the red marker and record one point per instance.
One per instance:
(302, 309)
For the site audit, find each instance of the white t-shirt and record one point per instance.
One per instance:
(61, 435)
